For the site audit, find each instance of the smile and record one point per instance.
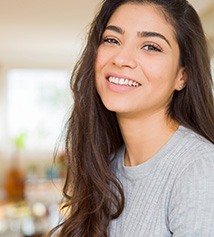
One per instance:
(123, 82)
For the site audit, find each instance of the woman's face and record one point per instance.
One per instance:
(137, 65)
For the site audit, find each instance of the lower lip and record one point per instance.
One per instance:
(119, 88)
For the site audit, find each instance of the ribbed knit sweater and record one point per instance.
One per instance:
(171, 194)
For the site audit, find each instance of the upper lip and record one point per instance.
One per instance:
(121, 76)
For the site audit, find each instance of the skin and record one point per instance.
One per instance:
(152, 60)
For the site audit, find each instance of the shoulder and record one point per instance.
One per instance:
(191, 200)
(193, 164)
(196, 140)
(194, 149)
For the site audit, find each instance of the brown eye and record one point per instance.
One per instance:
(150, 47)
(110, 41)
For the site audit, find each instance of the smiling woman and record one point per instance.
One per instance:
(140, 137)
(137, 49)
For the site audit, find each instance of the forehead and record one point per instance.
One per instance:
(142, 16)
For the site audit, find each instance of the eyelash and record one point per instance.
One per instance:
(150, 46)
(110, 41)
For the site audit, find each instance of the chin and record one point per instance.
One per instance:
(117, 103)
(117, 107)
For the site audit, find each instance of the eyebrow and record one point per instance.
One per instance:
(142, 34)
(115, 28)
(152, 34)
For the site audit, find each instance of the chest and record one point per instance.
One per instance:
(146, 208)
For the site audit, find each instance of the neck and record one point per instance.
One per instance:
(145, 136)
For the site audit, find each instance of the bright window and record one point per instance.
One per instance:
(37, 104)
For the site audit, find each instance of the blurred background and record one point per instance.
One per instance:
(40, 42)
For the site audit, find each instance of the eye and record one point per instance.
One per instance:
(152, 47)
(110, 40)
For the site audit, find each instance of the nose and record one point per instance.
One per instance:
(125, 58)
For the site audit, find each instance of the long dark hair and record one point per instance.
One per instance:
(93, 195)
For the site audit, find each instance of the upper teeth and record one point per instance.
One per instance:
(122, 81)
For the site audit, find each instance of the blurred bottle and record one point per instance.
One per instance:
(15, 182)
(15, 176)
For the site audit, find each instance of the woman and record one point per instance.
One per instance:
(140, 138)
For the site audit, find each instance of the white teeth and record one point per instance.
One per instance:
(122, 81)
(130, 83)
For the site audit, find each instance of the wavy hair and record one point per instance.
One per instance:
(93, 195)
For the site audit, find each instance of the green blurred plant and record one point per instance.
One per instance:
(19, 141)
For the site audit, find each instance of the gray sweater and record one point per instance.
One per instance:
(172, 194)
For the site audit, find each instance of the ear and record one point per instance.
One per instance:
(181, 79)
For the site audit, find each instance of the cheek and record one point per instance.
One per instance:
(98, 63)
(98, 70)
(103, 57)
(159, 73)
(154, 72)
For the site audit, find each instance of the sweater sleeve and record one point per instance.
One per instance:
(191, 207)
